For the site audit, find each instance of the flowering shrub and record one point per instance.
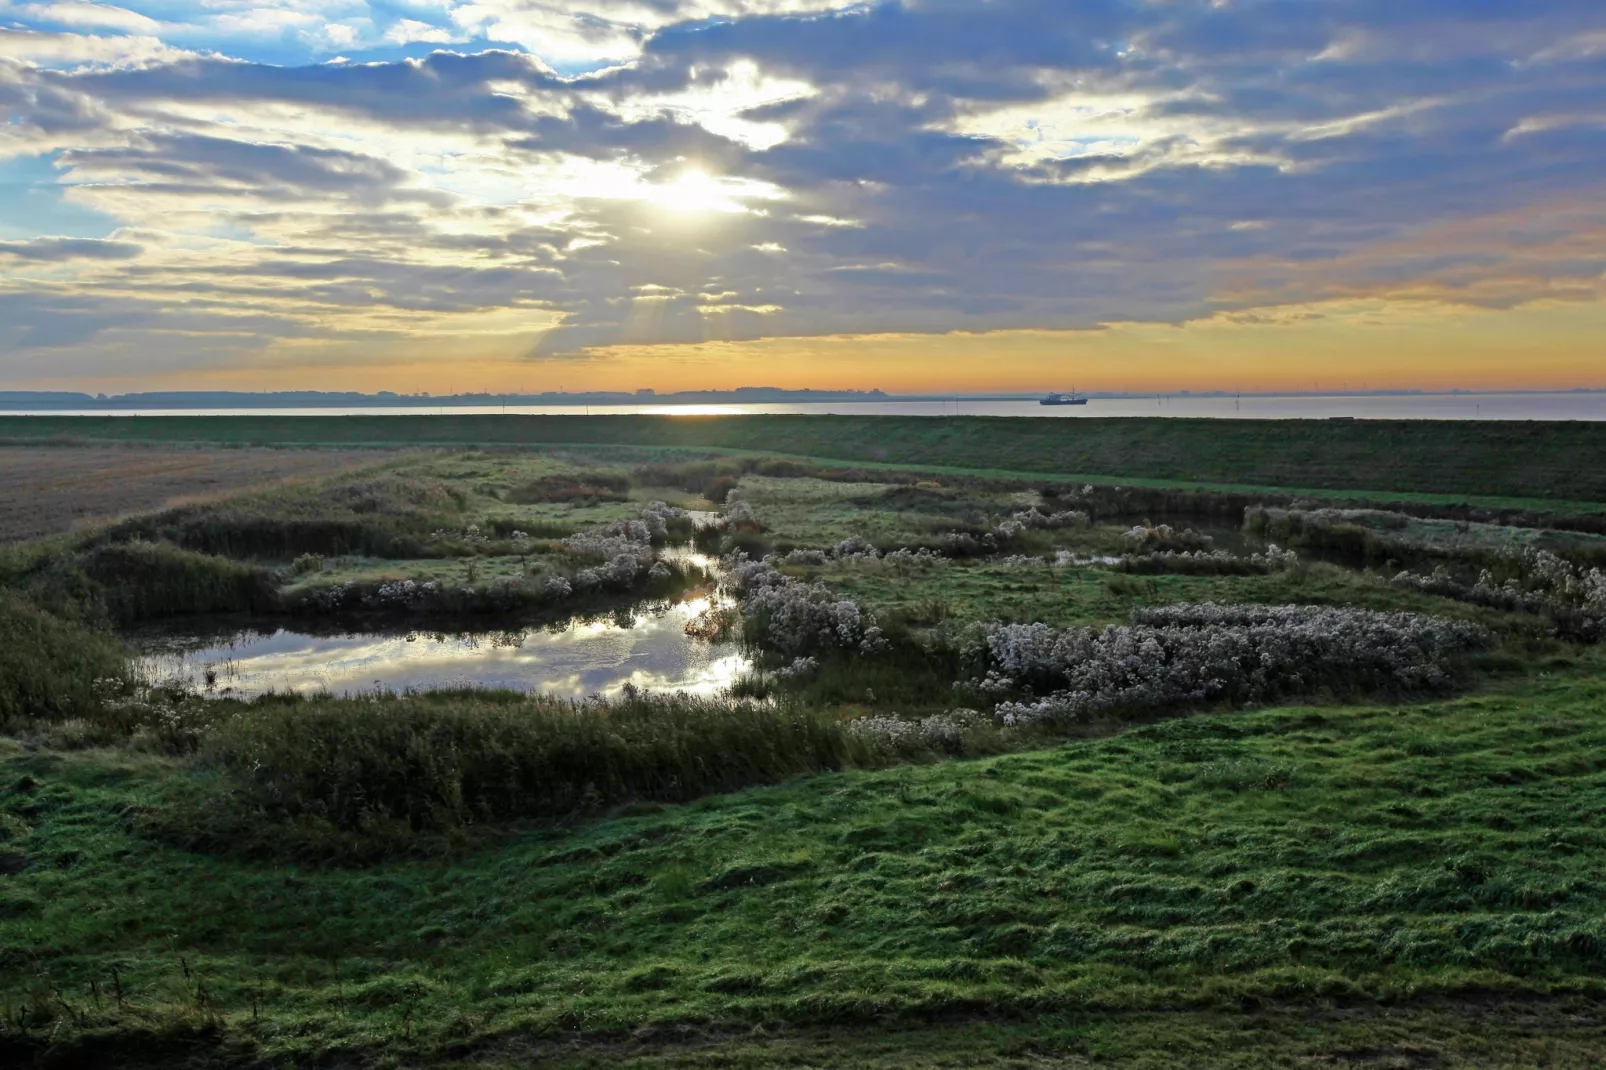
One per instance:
(1537, 581)
(857, 551)
(1165, 537)
(1185, 562)
(1209, 562)
(854, 546)
(472, 535)
(622, 572)
(799, 667)
(945, 733)
(1189, 654)
(163, 717)
(737, 515)
(624, 537)
(786, 615)
(800, 619)
(1035, 518)
(659, 517)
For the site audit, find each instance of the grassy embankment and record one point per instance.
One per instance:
(1534, 462)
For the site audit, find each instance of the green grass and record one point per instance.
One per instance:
(1417, 857)
(1532, 462)
(819, 513)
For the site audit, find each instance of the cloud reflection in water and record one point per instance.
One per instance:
(584, 658)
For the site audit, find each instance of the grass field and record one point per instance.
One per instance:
(1402, 869)
(1519, 461)
(44, 491)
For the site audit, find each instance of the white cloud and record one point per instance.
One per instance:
(409, 31)
(81, 15)
(54, 49)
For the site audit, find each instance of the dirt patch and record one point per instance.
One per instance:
(49, 489)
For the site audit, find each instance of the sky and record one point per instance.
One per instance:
(926, 195)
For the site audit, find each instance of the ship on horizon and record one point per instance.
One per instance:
(1071, 398)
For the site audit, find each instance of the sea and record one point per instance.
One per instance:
(1572, 405)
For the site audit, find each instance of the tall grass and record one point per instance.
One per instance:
(49, 666)
(448, 760)
(143, 580)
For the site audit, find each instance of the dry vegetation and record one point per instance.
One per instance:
(48, 490)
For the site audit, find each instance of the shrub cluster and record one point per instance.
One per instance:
(857, 551)
(1152, 538)
(1207, 562)
(1037, 519)
(1528, 580)
(953, 732)
(799, 619)
(1191, 654)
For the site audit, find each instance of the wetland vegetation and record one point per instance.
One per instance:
(1014, 767)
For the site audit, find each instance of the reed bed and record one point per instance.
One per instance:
(451, 760)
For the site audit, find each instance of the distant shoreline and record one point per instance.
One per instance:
(50, 400)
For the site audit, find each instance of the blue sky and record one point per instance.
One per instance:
(293, 192)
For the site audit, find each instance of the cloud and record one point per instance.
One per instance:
(673, 171)
(80, 15)
(57, 249)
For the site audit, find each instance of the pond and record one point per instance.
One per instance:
(646, 646)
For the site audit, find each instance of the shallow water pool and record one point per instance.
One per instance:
(646, 647)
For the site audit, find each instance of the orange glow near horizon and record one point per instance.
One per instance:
(1355, 345)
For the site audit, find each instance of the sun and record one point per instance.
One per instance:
(695, 191)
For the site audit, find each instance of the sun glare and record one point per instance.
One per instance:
(695, 191)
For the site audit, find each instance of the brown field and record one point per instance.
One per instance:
(45, 490)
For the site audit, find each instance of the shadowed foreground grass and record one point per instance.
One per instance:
(1384, 878)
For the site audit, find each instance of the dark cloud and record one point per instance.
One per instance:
(209, 166)
(53, 249)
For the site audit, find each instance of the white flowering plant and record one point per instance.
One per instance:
(1194, 654)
